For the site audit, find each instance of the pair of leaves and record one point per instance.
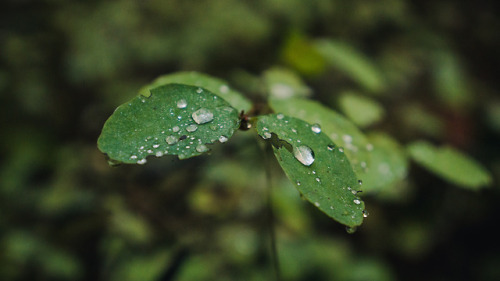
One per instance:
(178, 119)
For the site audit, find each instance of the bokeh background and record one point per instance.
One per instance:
(66, 215)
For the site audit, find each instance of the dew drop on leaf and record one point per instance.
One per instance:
(365, 214)
(304, 155)
(222, 139)
(201, 148)
(357, 201)
(350, 230)
(202, 116)
(175, 129)
(191, 128)
(316, 128)
(280, 116)
(171, 140)
(142, 161)
(182, 103)
(266, 135)
(331, 147)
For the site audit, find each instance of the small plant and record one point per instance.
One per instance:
(325, 155)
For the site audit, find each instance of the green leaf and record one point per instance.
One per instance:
(214, 85)
(282, 83)
(338, 128)
(450, 165)
(357, 66)
(175, 120)
(450, 81)
(319, 169)
(389, 163)
(363, 111)
(300, 53)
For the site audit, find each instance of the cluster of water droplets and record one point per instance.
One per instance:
(183, 132)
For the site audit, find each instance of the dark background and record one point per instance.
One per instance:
(66, 215)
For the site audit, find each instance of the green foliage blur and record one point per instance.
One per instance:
(413, 69)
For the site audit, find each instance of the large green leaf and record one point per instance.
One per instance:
(319, 169)
(353, 63)
(215, 85)
(389, 163)
(338, 128)
(450, 164)
(175, 120)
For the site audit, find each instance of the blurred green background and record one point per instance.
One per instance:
(429, 68)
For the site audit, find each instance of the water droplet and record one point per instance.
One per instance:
(297, 182)
(182, 103)
(171, 139)
(331, 207)
(142, 161)
(316, 204)
(191, 128)
(369, 147)
(354, 192)
(133, 157)
(360, 182)
(222, 139)
(293, 130)
(156, 145)
(266, 135)
(357, 201)
(318, 179)
(202, 148)
(316, 128)
(304, 155)
(199, 90)
(350, 229)
(341, 149)
(202, 116)
(365, 214)
(280, 116)
(159, 154)
(331, 147)
(150, 151)
(175, 129)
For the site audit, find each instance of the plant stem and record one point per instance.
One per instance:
(270, 213)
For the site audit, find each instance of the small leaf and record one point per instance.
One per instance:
(450, 164)
(282, 83)
(300, 53)
(389, 163)
(175, 120)
(450, 81)
(338, 128)
(363, 111)
(214, 85)
(353, 63)
(319, 169)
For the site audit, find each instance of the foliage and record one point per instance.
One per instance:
(412, 82)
